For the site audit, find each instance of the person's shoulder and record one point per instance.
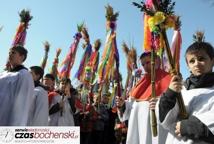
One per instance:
(41, 86)
(24, 71)
(25, 75)
(41, 90)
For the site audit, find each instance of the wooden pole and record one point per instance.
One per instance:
(183, 113)
(153, 115)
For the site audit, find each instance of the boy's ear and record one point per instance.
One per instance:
(23, 58)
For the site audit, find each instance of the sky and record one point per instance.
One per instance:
(55, 21)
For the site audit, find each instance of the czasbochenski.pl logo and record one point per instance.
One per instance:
(11, 135)
(29, 133)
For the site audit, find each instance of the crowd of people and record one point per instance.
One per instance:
(30, 99)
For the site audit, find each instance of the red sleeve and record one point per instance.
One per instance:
(50, 97)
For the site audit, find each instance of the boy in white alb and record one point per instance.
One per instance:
(39, 107)
(16, 90)
(198, 96)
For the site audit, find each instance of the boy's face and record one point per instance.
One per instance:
(146, 63)
(199, 63)
(48, 82)
(67, 89)
(15, 58)
(62, 85)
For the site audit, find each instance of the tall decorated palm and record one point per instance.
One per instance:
(91, 68)
(158, 17)
(21, 32)
(86, 55)
(69, 60)
(109, 64)
(54, 68)
(89, 74)
(83, 73)
(132, 71)
(45, 58)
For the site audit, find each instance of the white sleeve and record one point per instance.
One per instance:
(40, 115)
(170, 119)
(7, 95)
(23, 99)
(207, 117)
(128, 107)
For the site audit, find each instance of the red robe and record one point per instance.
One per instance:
(143, 89)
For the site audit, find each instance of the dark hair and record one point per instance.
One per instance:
(145, 54)
(50, 76)
(38, 71)
(21, 50)
(201, 46)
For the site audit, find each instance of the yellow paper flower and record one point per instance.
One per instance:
(159, 18)
(156, 20)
